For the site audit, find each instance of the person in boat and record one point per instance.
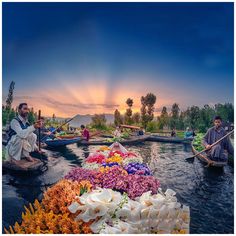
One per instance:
(188, 133)
(117, 132)
(21, 137)
(219, 151)
(173, 132)
(85, 133)
(141, 131)
(194, 133)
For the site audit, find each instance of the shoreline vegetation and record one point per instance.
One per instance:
(199, 119)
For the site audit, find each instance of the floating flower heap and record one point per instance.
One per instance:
(113, 192)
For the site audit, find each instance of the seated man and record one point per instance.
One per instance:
(85, 133)
(217, 152)
(141, 131)
(21, 137)
(188, 133)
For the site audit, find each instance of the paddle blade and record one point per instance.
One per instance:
(190, 159)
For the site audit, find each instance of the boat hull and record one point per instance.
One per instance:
(157, 138)
(202, 157)
(61, 142)
(23, 165)
(127, 141)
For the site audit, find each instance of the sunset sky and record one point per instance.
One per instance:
(86, 58)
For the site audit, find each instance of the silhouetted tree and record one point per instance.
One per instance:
(117, 118)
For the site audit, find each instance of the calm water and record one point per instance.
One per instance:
(208, 193)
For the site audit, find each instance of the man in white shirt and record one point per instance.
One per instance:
(21, 139)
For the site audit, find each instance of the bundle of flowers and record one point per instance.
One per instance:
(113, 212)
(129, 160)
(137, 168)
(115, 153)
(129, 154)
(104, 148)
(80, 174)
(116, 158)
(110, 164)
(52, 216)
(96, 157)
(92, 166)
(116, 178)
(58, 197)
(113, 192)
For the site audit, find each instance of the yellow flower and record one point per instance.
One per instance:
(115, 158)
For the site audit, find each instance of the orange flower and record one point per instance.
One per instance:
(39, 221)
(61, 195)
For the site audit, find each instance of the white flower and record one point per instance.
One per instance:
(92, 212)
(170, 192)
(110, 230)
(73, 208)
(124, 227)
(96, 226)
(130, 211)
(91, 166)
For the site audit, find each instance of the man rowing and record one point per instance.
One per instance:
(21, 136)
(217, 152)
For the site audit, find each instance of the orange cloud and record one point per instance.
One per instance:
(92, 96)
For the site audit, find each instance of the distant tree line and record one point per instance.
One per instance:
(198, 118)
(194, 117)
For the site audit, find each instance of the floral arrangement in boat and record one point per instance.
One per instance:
(114, 193)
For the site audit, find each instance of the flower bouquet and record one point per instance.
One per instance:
(137, 168)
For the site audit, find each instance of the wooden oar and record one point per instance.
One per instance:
(57, 128)
(212, 145)
(39, 137)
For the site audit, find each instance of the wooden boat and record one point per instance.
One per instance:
(131, 140)
(23, 165)
(61, 142)
(68, 136)
(158, 138)
(203, 158)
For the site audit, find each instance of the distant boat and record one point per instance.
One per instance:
(166, 139)
(61, 142)
(132, 140)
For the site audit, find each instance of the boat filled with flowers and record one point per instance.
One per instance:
(113, 192)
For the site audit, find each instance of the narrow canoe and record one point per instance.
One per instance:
(68, 136)
(132, 140)
(61, 142)
(23, 165)
(202, 157)
(158, 138)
